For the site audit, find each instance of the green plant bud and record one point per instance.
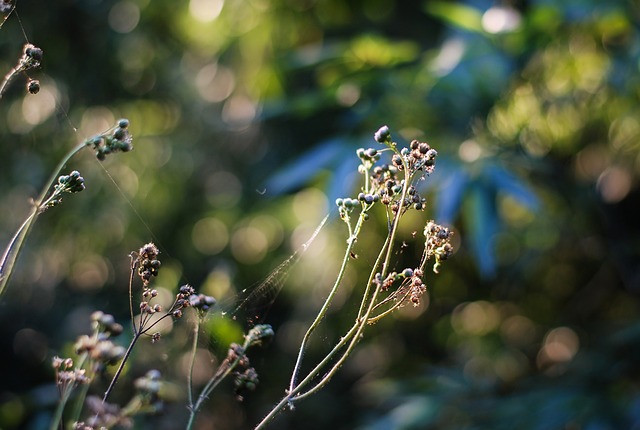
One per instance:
(407, 273)
(123, 123)
(339, 202)
(119, 133)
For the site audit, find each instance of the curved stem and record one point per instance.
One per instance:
(286, 400)
(15, 245)
(353, 234)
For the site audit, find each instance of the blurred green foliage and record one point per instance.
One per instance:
(246, 115)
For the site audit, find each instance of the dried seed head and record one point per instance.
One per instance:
(33, 86)
(260, 334)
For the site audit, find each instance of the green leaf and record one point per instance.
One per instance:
(457, 15)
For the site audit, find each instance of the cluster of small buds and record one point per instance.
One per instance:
(369, 155)
(418, 157)
(346, 206)
(147, 262)
(33, 86)
(202, 302)
(412, 199)
(368, 198)
(437, 243)
(66, 376)
(117, 139)
(245, 381)
(416, 287)
(71, 183)
(183, 300)
(31, 57)
(385, 181)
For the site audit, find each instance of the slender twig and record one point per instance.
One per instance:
(15, 245)
(353, 234)
(115, 378)
(194, 349)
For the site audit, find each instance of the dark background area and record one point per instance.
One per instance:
(246, 116)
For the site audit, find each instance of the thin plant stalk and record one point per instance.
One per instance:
(120, 140)
(194, 349)
(116, 376)
(353, 234)
(12, 251)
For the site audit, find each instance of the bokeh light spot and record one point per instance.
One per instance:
(209, 236)
(500, 19)
(124, 16)
(36, 109)
(614, 184)
(205, 10)
(249, 245)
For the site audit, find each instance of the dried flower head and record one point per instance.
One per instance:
(33, 86)
(437, 243)
(147, 262)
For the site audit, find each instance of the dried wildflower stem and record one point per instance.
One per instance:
(353, 234)
(104, 143)
(13, 249)
(116, 376)
(362, 319)
(413, 165)
(194, 349)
